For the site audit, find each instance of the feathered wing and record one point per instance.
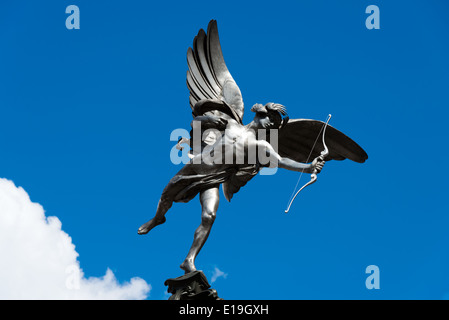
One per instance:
(213, 91)
(212, 88)
(297, 137)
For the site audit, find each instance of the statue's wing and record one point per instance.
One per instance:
(212, 88)
(295, 141)
(297, 137)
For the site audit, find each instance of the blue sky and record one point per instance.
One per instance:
(86, 117)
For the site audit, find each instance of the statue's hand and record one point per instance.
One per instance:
(318, 164)
(218, 123)
(223, 122)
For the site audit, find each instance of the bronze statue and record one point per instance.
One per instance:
(226, 152)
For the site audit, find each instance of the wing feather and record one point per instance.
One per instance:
(198, 76)
(199, 46)
(192, 102)
(195, 91)
(215, 53)
(208, 77)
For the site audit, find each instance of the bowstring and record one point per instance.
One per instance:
(307, 161)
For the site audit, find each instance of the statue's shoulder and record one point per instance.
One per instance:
(233, 128)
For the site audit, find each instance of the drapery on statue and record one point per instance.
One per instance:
(216, 103)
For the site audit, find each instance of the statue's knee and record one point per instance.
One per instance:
(208, 217)
(165, 202)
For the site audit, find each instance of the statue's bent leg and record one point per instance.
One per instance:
(209, 202)
(159, 218)
(171, 193)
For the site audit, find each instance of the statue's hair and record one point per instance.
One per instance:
(275, 109)
(270, 106)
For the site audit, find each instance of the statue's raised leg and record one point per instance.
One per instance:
(159, 218)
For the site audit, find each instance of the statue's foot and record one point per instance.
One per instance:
(188, 266)
(146, 227)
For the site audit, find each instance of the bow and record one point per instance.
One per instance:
(313, 176)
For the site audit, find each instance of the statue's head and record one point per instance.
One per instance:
(268, 116)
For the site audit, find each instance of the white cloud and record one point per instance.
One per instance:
(38, 259)
(217, 274)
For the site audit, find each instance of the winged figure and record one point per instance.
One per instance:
(219, 136)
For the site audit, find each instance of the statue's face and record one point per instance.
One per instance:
(266, 118)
